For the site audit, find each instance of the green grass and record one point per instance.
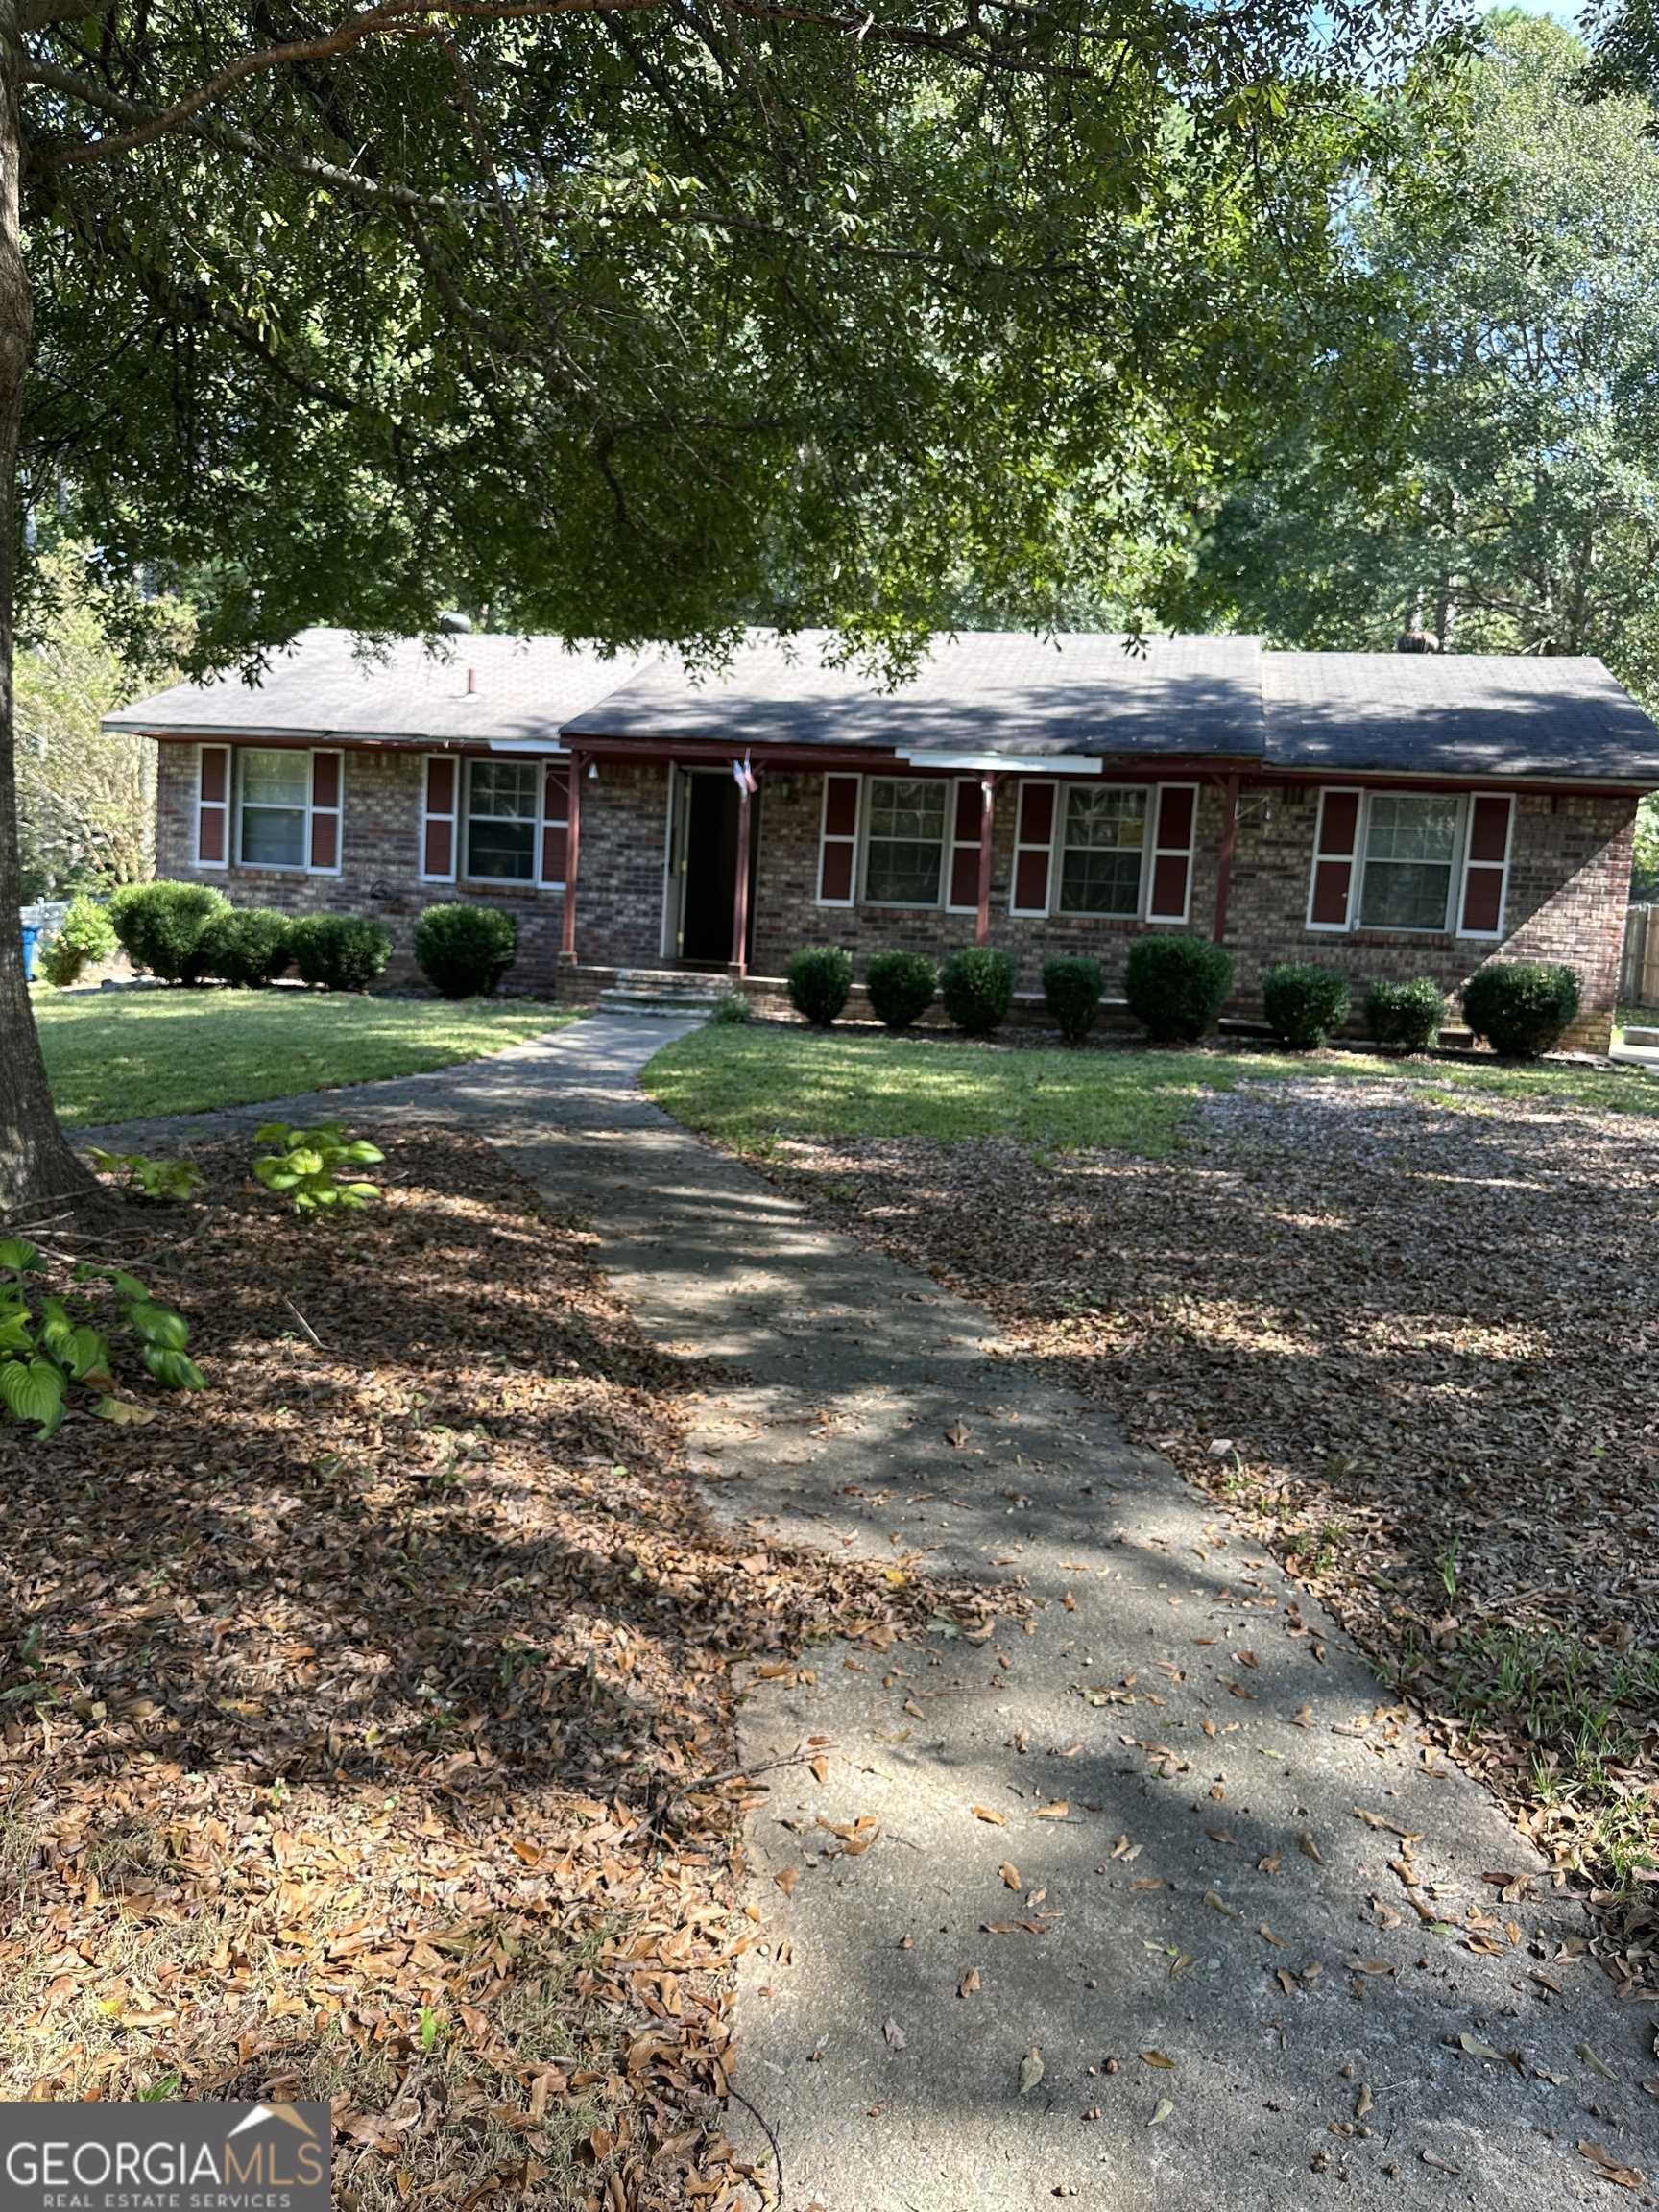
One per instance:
(746, 1087)
(123, 1056)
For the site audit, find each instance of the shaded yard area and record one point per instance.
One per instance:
(120, 1056)
(1403, 1320)
(364, 1717)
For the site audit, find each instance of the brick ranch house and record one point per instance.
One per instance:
(1391, 814)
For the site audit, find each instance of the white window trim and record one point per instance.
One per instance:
(946, 846)
(463, 827)
(1457, 868)
(1485, 936)
(226, 806)
(454, 817)
(289, 867)
(1156, 853)
(1022, 844)
(545, 820)
(857, 841)
(1148, 832)
(954, 844)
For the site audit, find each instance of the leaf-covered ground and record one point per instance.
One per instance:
(1410, 1331)
(363, 1718)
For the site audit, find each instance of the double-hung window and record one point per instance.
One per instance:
(1420, 860)
(276, 800)
(905, 841)
(1103, 847)
(503, 810)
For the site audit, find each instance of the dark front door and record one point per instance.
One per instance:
(710, 868)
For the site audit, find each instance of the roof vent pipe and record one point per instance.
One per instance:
(471, 682)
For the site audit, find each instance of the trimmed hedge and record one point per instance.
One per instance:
(466, 950)
(1521, 1007)
(977, 987)
(1406, 1014)
(160, 926)
(85, 937)
(900, 987)
(246, 946)
(819, 978)
(1072, 991)
(1176, 986)
(1303, 1003)
(341, 950)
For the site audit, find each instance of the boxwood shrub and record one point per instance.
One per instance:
(1071, 992)
(819, 978)
(1303, 1003)
(160, 926)
(464, 949)
(1407, 1014)
(900, 987)
(1176, 986)
(245, 947)
(1521, 1007)
(977, 988)
(342, 951)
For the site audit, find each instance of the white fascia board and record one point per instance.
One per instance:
(989, 764)
(548, 745)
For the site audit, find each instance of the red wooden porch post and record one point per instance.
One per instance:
(1224, 867)
(572, 856)
(987, 815)
(740, 892)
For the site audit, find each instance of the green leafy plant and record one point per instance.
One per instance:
(245, 947)
(1176, 986)
(306, 1167)
(819, 978)
(1072, 991)
(1521, 1007)
(1304, 1004)
(466, 950)
(160, 1180)
(43, 1353)
(900, 987)
(977, 987)
(1407, 1014)
(160, 926)
(732, 1006)
(84, 939)
(344, 952)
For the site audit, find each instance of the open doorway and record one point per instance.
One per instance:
(703, 891)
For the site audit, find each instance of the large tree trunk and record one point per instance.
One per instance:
(36, 1164)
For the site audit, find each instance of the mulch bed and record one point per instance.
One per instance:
(365, 1717)
(1413, 1336)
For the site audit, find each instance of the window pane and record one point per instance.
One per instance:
(501, 796)
(505, 790)
(275, 778)
(501, 849)
(1409, 848)
(906, 836)
(1100, 864)
(273, 836)
(1404, 895)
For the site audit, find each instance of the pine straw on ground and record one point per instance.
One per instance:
(365, 1717)
(1422, 1327)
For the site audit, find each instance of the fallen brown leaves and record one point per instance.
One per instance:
(359, 1715)
(1413, 1336)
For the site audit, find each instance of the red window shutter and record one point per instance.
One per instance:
(1177, 807)
(968, 804)
(214, 806)
(1169, 886)
(1172, 852)
(555, 823)
(1334, 861)
(965, 874)
(838, 846)
(1488, 857)
(437, 835)
(325, 811)
(1031, 848)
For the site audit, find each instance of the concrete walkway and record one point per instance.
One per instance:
(1174, 1841)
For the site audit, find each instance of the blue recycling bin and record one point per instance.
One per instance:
(31, 938)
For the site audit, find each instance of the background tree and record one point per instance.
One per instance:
(628, 320)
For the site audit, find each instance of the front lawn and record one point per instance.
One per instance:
(119, 1056)
(748, 1085)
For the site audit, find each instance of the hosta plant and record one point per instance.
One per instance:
(50, 1344)
(136, 1173)
(306, 1167)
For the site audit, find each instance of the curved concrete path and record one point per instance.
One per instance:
(1174, 1841)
